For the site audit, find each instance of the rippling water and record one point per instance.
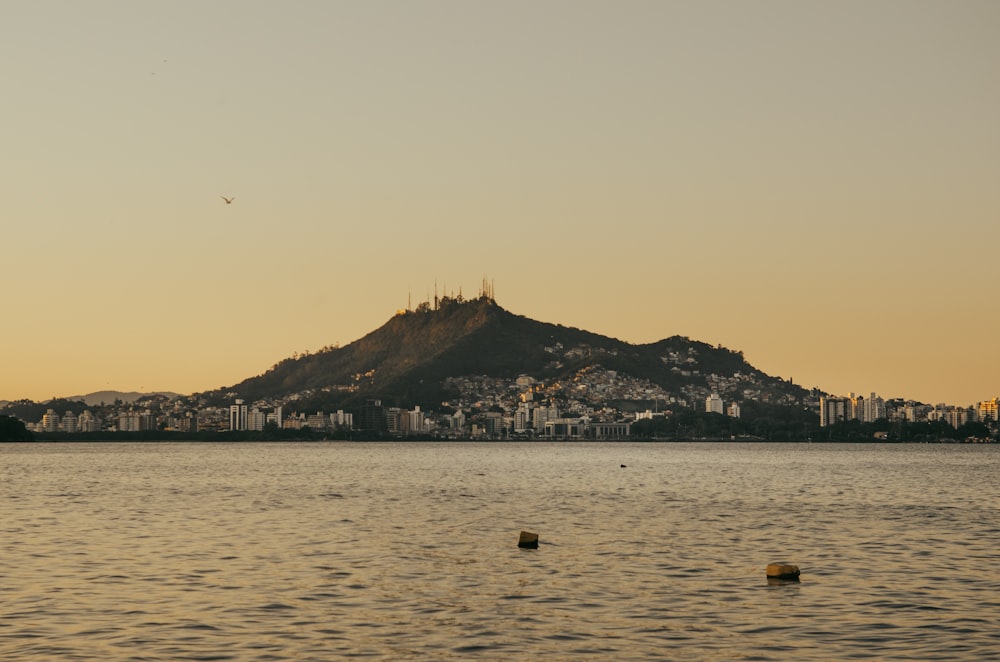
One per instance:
(409, 551)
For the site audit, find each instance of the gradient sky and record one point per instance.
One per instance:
(816, 184)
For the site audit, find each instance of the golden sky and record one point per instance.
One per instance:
(816, 184)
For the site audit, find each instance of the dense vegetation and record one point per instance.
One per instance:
(11, 429)
(778, 423)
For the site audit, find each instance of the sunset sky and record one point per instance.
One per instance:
(816, 184)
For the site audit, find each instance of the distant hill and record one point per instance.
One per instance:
(28, 410)
(109, 397)
(408, 360)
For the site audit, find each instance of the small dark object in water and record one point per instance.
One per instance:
(528, 540)
(623, 466)
(783, 571)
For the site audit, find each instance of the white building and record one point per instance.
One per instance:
(69, 422)
(133, 421)
(413, 422)
(50, 421)
(342, 419)
(713, 404)
(238, 416)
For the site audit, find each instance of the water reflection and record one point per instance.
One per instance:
(396, 551)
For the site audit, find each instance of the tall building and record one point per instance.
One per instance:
(238, 416)
(69, 422)
(857, 408)
(713, 404)
(988, 410)
(88, 422)
(50, 421)
(342, 419)
(874, 409)
(541, 415)
(275, 417)
(522, 418)
(133, 421)
(256, 419)
(412, 422)
(372, 416)
(956, 417)
(832, 410)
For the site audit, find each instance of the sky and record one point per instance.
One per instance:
(812, 183)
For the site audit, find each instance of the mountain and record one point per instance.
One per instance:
(416, 357)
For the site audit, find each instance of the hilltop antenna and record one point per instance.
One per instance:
(409, 299)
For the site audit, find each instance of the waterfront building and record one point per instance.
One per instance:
(493, 424)
(256, 419)
(956, 417)
(318, 421)
(186, 423)
(412, 422)
(856, 410)
(713, 404)
(565, 428)
(87, 422)
(238, 416)
(874, 409)
(372, 416)
(342, 419)
(832, 410)
(988, 410)
(133, 421)
(50, 421)
(610, 430)
(541, 415)
(68, 423)
(734, 410)
(522, 418)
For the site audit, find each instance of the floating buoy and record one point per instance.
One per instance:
(783, 571)
(528, 540)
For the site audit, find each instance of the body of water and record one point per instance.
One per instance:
(403, 551)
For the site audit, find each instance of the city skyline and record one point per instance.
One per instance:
(812, 184)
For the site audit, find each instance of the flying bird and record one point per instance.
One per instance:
(229, 201)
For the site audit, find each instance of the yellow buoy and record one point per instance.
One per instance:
(784, 571)
(528, 540)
